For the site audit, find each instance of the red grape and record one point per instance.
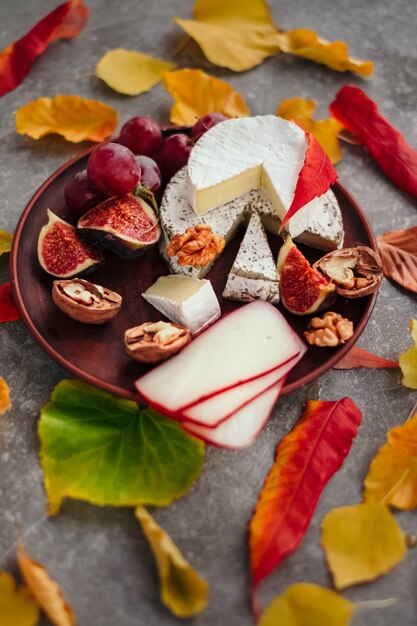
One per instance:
(142, 136)
(79, 194)
(150, 173)
(205, 123)
(174, 154)
(113, 169)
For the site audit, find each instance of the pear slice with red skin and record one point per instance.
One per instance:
(303, 289)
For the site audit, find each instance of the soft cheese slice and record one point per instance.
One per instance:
(320, 227)
(243, 154)
(185, 300)
(242, 428)
(250, 342)
(215, 410)
(254, 273)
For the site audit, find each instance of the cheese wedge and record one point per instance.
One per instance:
(244, 345)
(254, 273)
(324, 228)
(243, 154)
(241, 428)
(184, 300)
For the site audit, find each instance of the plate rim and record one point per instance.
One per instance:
(121, 392)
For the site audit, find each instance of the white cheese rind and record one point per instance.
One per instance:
(196, 312)
(239, 153)
(324, 227)
(254, 273)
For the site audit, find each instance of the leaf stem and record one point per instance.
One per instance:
(376, 604)
(386, 499)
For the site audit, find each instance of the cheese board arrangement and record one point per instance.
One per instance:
(204, 288)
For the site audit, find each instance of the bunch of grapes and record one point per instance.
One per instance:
(140, 155)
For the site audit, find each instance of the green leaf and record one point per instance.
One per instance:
(305, 604)
(183, 591)
(103, 449)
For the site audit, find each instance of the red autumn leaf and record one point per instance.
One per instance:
(66, 21)
(305, 460)
(356, 358)
(315, 178)
(359, 114)
(399, 256)
(8, 310)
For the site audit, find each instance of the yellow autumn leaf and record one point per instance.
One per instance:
(306, 44)
(361, 542)
(305, 604)
(45, 591)
(408, 360)
(392, 476)
(196, 93)
(16, 606)
(4, 396)
(5, 242)
(183, 591)
(237, 35)
(325, 131)
(130, 72)
(75, 118)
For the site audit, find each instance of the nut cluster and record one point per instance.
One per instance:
(330, 330)
(155, 341)
(197, 246)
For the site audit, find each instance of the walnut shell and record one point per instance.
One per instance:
(356, 271)
(152, 342)
(85, 301)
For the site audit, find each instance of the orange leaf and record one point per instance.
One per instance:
(392, 477)
(306, 44)
(196, 93)
(305, 460)
(325, 131)
(45, 591)
(4, 396)
(398, 251)
(75, 118)
(237, 35)
(356, 358)
(66, 21)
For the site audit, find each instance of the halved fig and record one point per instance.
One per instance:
(61, 250)
(303, 289)
(126, 226)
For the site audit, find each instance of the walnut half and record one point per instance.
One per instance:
(356, 271)
(328, 331)
(152, 342)
(85, 301)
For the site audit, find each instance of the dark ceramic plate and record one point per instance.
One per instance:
(96, 353)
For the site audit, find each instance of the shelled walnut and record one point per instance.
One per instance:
(152, 342)
(329, 331)
(85, 301)
(197, 246)
(356, 271)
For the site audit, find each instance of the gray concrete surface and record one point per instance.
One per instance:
(98, 554)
